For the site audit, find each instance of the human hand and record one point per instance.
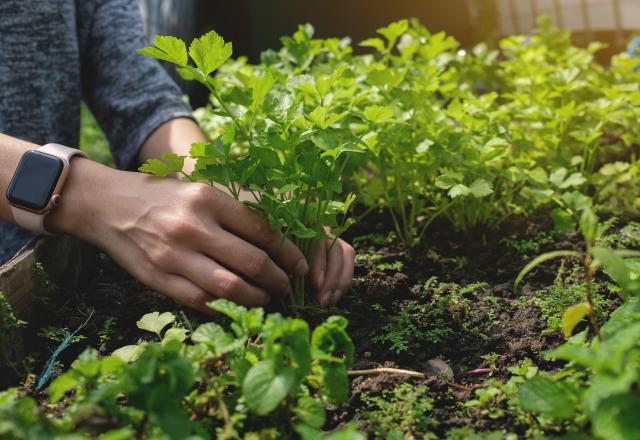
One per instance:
(189, 241)
(331, 270)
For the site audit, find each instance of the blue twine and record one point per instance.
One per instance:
(47, 372)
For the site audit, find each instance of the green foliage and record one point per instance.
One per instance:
(606, 404)
(434, 316)
(566, 291)
(400, 413)
(475, 137)
(222, 380)
(597, 389)
(286, 148)
(8, 323)
(92, 139)
(612, 261)
(8, 319)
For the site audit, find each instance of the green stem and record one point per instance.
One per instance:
(433, 217)
(589, 272)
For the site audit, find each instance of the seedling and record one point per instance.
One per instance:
(592, 259)
(215, 382)
(291, 158)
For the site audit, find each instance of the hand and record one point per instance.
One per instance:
(331, 270)
(186, 240)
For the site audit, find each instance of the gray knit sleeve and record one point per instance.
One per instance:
(129, 94)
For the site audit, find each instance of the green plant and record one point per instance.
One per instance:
(596, 391)
(400, 413)
(471, 136)
(428, 320)
(498, 400)
(568, 289)
(592, 259)
(258, 371)
(8, 323)
(287, 152)
(526, 247)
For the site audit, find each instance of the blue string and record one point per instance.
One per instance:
(47, 372)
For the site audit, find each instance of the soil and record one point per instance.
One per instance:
(489, 318)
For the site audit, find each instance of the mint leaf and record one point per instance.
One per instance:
(216, 338)
(265, 386)
(311, 412)
(616, 418)
(544, 395)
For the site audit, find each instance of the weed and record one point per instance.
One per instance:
(429, 320)
(401, 413)
(526, 248)
(394, 266)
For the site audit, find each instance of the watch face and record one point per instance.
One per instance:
(34, 180)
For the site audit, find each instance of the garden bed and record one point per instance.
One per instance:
(492, 200)
(445, 307)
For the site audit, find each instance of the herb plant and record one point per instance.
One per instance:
(286, 152)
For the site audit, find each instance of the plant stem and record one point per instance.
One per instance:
(589, 275)
(384, 370)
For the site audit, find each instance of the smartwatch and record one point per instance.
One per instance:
(37, 182)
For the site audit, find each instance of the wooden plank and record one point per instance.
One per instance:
(17, 280)
(61, 261)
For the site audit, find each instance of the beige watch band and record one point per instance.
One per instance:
(34, 221)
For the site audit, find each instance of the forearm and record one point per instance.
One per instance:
(76, 208)
(174, 136)
(11, 150)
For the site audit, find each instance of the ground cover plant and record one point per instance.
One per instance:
(497, 275)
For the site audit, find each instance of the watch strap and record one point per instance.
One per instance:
(29, 220)
(34, 221)
(61, 151)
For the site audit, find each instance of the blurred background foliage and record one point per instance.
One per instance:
(256, 25)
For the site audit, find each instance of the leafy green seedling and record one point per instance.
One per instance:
(289, 158)
(592, 259)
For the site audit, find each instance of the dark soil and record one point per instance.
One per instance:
(489, 318)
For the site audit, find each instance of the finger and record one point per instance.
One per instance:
(348, 264)
(247, 259)
(334, 264)
(183, 291)
(318, 265)
(248, 224)
(213, 278)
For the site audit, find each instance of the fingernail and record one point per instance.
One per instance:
(321, 278)
(337, 294)
(302, 268)
(326, 298)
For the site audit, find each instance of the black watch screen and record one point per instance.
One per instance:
(34, 180)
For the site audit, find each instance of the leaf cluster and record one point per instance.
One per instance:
(474, 137)
(257, 372)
